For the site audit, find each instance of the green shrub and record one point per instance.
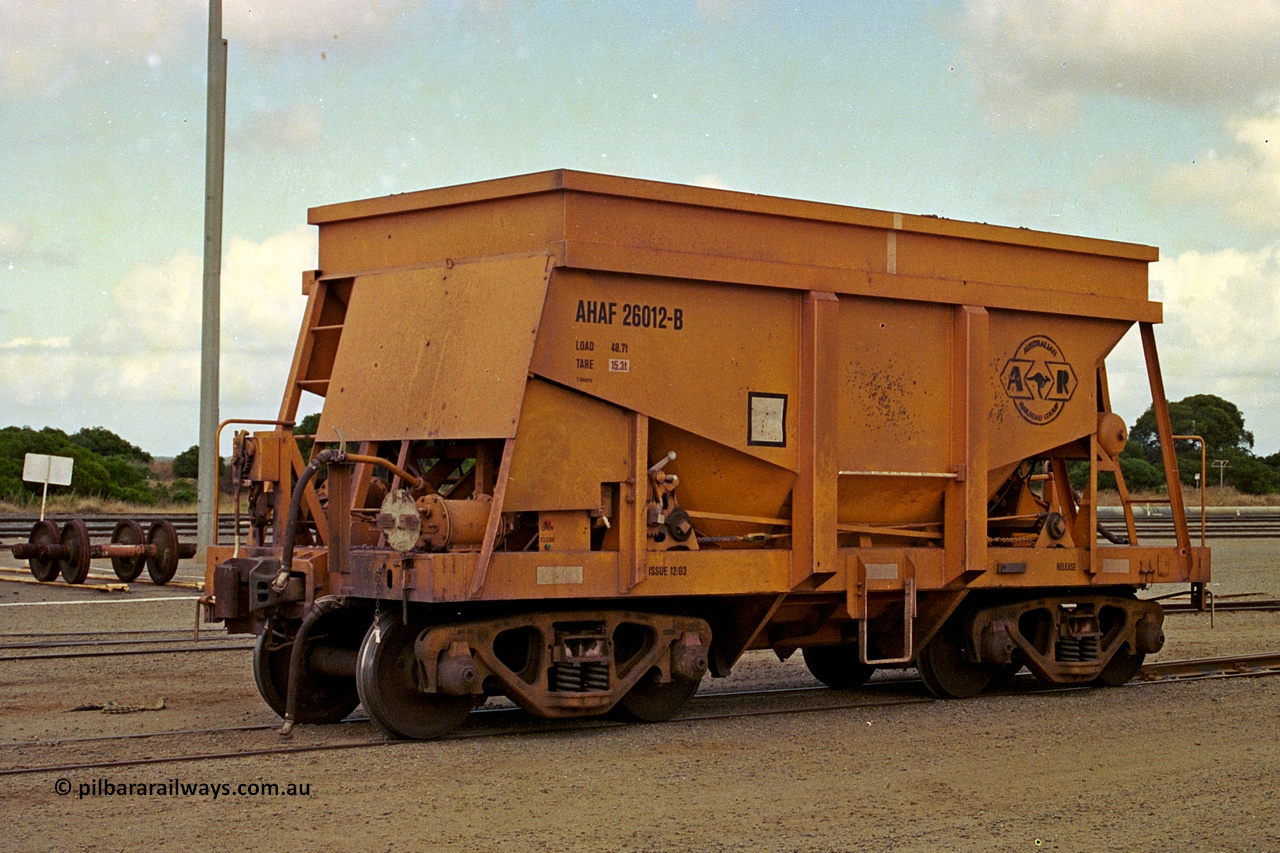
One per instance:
(183, 492)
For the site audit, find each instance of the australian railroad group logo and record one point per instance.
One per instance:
(1039, 379)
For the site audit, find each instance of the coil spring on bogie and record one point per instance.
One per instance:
(588, 677)
(1078, 648)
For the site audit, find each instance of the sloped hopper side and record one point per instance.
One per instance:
(436, 353)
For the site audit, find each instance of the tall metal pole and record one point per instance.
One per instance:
(215, 145)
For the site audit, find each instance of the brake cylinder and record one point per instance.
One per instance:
(454, 524)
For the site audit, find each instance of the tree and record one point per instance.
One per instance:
(1139, 475)
(1221, 424)
(308, 425)
(1218, 421)
(1254, 476)
(305, 433)
(92, 475)
(104, 442)
(187, 463)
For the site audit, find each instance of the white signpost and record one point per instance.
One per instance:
(50, 470)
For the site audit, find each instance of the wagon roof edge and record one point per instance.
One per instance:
(570, 180)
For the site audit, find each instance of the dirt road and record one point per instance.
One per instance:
(1161, 767)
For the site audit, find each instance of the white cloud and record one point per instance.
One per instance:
(712, 181)
(1243, 183)
(143, 358)
(17, 245)
(262, 298)
(1223, 311)
(1220, 336)
(1032, 59)
(159, 306)
(156, 309)
(36, 343)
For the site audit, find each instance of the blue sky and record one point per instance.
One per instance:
(1153, 123)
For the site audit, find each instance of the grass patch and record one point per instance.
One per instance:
(1214, 496)
(78, 506)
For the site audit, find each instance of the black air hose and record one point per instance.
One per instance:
(295, 509)
(320, 607)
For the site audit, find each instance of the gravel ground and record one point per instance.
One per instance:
(1153, 767)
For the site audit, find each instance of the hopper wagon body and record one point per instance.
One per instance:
(585, 438)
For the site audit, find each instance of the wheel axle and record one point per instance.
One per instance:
(49, 551)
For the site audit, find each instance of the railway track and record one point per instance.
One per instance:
(16, 528)
(1220, 523)
(1156, 522)
(191, 647)
(202, 744)
(1265, 605)
(31, 647)
(107, 644)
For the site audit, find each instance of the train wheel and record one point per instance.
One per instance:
(838, 667)
(651, 701)
(128, 532)
(44, 533)
(321, 699)
(164, 564)
(1120, 669)
(944, 669)
(385, 678)
(75, 543)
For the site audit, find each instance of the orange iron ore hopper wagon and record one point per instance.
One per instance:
(585, 438)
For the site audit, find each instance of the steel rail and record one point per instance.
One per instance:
(1156, 673)
(69, 741)
(123, 652)
(523, 728)
(1232, 666)
(108, 633)
(477, 713)
(1261, 605)
(96, 643)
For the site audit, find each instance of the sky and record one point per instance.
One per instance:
(1122, 119)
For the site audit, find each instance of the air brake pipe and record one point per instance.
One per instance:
(1111, 537)
(295, 501)
(295, 508)
(327, 603)
(322, 606)
(416, 482)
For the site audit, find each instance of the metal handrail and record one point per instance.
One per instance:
(217, 493)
